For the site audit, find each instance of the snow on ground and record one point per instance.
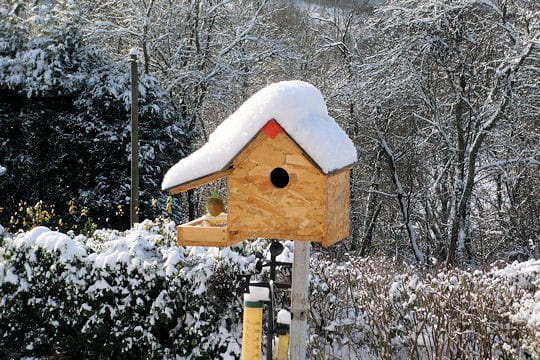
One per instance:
(300, 110)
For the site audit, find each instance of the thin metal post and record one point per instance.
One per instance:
(299, 301)
(270, 323)
(270, 315)
(134, 204)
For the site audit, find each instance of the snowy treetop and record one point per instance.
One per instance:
(298, 107)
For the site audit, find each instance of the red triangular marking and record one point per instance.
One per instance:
(272, 129)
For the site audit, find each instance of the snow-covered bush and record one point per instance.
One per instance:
(373, 308)
(119, 295)
(137, 295)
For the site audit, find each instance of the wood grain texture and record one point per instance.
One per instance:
(337, 211)
(201, 181)
(260, 209)
(192, 234)
(237, 236)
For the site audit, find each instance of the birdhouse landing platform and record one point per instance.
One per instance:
(204, 230)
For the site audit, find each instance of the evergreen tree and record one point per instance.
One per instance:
(64, 122)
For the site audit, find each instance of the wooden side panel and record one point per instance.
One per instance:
(337, 207)
(259, 208)
(201, 181)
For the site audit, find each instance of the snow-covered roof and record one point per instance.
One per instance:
(298, 107)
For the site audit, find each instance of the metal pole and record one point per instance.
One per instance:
(299, 301)
(275, 249)
(270, 323)
(134, 205)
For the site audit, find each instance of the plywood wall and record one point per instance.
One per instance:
(259, 209)
(337, 207)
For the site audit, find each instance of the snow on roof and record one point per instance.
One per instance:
(300, 110)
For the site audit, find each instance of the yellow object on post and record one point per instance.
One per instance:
(252, 330)
(283, 347)
(283, 328)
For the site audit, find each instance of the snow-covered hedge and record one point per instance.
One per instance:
(137, 295)
(119, 295)
(377, 309)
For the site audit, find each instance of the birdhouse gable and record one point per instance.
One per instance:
(272, 130)
(276, 191)
(297, 109)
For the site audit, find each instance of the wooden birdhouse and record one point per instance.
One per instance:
(287, 165)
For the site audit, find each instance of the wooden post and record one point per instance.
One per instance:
(134, 203)
(299, 300)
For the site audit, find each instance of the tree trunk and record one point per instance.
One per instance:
(404, 208)
(372, 209)
(368, 231)
(457, 229)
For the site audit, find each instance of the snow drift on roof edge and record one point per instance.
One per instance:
(297, 106)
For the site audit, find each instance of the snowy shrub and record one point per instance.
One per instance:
(119, 295)
(376, 309)
(137, 295)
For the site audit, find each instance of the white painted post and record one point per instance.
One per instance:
(299, 301)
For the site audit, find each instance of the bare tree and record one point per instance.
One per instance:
(454, 68)
(206, 52)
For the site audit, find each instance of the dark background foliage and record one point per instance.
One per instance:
(64, 126)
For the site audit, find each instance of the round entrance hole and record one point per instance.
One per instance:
(279, 177)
